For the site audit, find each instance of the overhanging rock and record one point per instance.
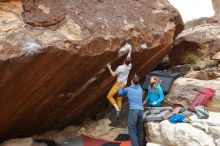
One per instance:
(54, 53)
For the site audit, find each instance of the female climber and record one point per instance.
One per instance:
(155, 94)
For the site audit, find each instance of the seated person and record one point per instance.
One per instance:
(155, 94)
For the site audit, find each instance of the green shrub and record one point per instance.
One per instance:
(191, 58)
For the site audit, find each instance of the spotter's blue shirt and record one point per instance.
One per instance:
(134, 93)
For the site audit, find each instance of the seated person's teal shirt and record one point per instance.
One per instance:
(155, 96)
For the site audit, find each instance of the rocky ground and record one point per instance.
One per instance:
(99, 129)
(198, 133)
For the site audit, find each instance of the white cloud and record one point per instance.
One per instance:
(191, 9)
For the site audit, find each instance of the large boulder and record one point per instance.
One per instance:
(202, 21)
(98, 129)
(216, 6)
(196, 41)
(216, 56)
(152, 144)
(54, 53)
(183, 90)
(201, 38)
(203, 75)
(197, 133)
(22, 142)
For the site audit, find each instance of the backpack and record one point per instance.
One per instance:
(201, 112)
(202, 98)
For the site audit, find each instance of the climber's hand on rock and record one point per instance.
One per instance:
(108, 65)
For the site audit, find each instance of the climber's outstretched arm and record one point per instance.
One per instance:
(111, 71)
(129, 54)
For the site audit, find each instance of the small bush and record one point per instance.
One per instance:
(191, 58)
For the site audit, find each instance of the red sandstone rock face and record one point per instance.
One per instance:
(43, 12)
(53, 67)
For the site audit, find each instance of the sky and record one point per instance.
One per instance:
(191, 9)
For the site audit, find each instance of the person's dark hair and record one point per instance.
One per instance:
(127, 60)
(135, 79)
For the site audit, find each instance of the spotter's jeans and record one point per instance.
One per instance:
(136, 127)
